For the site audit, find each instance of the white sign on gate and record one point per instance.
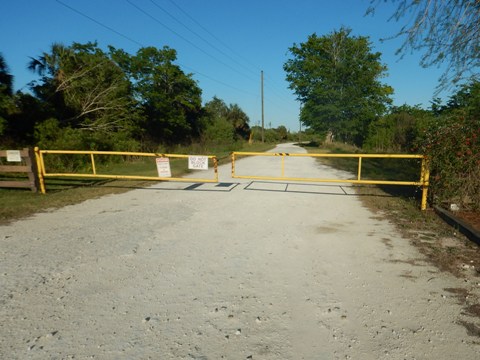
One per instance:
(198, 162)
(163, 167)
(14, 156)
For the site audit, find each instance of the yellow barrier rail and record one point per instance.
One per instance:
(42, 172)
(423, 181)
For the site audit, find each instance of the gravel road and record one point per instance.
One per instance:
(245, 270)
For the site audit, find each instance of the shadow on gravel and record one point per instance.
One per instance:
(174, 186)
(271, 186)
(303, 188)
(318, 189)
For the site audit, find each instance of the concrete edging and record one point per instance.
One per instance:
(462, 226)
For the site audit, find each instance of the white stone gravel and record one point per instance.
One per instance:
(253, 271)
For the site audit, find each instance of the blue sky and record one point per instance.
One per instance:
(225, 44)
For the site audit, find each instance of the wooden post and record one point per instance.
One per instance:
(30, 169)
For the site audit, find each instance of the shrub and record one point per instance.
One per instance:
(49, 135)
(397, 131)
(452, 144)
(219, 134)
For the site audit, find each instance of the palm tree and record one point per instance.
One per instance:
(239, 120)
(52, 63)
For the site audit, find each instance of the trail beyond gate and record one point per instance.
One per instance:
(241, 269)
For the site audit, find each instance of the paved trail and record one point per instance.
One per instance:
(246, 271)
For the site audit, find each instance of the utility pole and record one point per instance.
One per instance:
(300, 132)
(263, 118)
(300, 122)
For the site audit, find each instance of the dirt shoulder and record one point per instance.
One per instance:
(443, 246)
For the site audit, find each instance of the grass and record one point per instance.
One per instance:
(20, 203)
(374, 168)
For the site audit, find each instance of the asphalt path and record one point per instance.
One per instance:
(238, 270)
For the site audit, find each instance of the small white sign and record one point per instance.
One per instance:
(163, 167)
(14, 156)
(198, 162)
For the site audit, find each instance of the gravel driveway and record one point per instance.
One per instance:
(244, 270)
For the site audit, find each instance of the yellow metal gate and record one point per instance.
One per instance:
(422, 182)
(43, 173)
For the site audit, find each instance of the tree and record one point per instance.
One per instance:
(218, 130)
(29, 111)
(337, 78)
(239, 119)
(86, 88)
(170, 99)
(282, 132)
(6, 79)
(445, 31)
(6, 90)
(49, 67)
(452, 143)
(216, 110)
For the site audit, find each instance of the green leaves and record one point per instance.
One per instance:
(88, 90)
(86, 98)
(337, 78)
(169, 99)
(218, 111)
(6, 94)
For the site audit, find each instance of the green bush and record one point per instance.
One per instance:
(3, 125)
(452, 144)
(49, 135)
(398, 131)
(219, 135)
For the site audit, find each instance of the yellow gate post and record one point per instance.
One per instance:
(233, 164)
(359, 174)
(40, 169)
(425, 177)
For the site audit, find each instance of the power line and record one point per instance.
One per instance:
(184, 38)
(222, 83)
(142, 45)
(202, 38)
(214, 36)
(99, 23)
(274, 92)
(195, 72)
